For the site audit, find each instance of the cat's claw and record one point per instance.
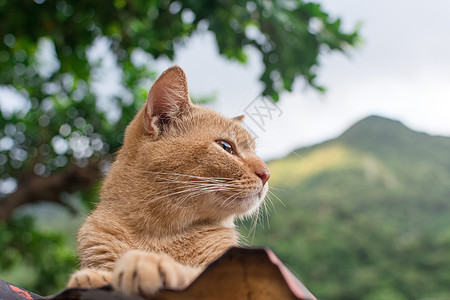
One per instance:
(144, 273)
(89, 278)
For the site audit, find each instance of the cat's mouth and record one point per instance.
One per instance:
(256, 195)
(247, 204)
(263, 191)
(261, 194)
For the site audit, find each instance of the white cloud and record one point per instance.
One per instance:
(402, 71)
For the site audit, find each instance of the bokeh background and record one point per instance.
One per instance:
(348, 101)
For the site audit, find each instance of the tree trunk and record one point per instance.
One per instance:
(36, 188)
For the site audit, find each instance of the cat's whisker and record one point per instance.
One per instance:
(276, 189)
(265, 208)
(182, 201)
(267, 214)
(199, 183)
(269, 199)
(198, 180)
(256, 217)
(176, 180)
(243, 239)
(200, 186)
(183, 190)
(191, 191)
(185, 175)
(194, 195)
(233, 198)
(253, 225)
(163, 192)
(276, 197)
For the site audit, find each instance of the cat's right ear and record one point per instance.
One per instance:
(239, 118)
(167, 99)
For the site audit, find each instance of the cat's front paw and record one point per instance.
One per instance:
(144, 273)
(89, 278)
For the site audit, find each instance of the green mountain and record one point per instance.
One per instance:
(366, 215)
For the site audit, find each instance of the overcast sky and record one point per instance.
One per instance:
(402, 71)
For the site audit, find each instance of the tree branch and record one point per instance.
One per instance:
(36, 188)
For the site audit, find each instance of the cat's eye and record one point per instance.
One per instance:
(226, 146)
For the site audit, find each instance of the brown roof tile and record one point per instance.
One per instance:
(240, 273)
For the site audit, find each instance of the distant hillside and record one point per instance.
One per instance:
(366, 215)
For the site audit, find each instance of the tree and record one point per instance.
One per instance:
(61, 138)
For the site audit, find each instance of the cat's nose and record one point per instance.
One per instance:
(259, 168)
(264, 174)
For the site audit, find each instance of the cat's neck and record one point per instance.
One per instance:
(161, 225)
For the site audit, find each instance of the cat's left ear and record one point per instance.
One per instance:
(167, 99)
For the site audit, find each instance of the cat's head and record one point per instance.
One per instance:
(187, 159)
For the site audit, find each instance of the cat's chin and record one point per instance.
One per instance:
(248, 204)
(256, 200)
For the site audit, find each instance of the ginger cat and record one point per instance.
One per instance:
(168, 204)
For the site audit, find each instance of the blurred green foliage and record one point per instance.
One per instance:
(365, 216)
(21, 242)
(48, 61)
